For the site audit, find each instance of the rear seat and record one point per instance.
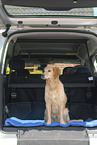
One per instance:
(30, 81)
(79, 91)
(29, 101)
(25, 97)
(81, 82)
(27, 110)
(21, 86)
(35, 110)
(78, 74)
(26, 88)
(17, 64)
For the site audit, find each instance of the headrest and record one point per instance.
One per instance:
(42, 67)
(67, 70)
(79, 69)
(16, 63)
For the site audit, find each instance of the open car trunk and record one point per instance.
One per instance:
(26, 58)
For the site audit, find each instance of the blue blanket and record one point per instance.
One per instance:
(13, 121)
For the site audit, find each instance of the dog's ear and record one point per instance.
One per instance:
(56, 71)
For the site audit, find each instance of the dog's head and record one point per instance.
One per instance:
(51, 72)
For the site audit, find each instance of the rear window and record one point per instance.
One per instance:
(28, 11)
(35, 69)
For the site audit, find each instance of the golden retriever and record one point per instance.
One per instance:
(55, 97)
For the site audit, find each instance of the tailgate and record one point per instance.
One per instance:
(53, 135)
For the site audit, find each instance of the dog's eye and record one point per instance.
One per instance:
(49, 70)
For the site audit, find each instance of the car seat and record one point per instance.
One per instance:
(79, 91)
(17, 64)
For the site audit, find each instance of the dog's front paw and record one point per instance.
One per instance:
(62, 122)
(48, 122)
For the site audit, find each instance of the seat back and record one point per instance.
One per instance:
(18, 64)
(81, 84)
(22, 86)
(27, 110)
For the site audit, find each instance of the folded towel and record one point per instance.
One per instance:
(13, 121)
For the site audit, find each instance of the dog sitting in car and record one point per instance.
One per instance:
(55, 97)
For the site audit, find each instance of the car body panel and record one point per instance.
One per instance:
(8, 139)
(26, 22)
(53, 4)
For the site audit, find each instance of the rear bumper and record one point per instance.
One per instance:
(8, 139)
(53, 136)
(50, 136)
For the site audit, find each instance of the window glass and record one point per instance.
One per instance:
(95, 65)
(16, 10)
(35, 69)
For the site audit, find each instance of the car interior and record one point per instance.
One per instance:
(26, 57)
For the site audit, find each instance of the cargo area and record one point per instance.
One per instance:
(25, 61)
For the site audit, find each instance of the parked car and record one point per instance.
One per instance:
(34, 34)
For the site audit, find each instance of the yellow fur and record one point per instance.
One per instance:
(55, 97)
